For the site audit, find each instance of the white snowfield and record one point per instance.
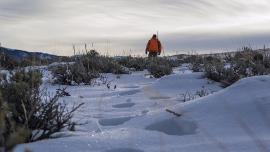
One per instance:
(132, 118)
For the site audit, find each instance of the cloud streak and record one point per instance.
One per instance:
(126, 25)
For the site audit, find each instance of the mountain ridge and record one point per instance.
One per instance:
(19, 55)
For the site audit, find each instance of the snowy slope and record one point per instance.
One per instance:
(132, 118)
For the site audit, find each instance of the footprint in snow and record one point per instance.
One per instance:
(124, 105)
(124, 150)
(114, 121)
(129, 100)
(159, 98)
(129, 93)
(176, 127)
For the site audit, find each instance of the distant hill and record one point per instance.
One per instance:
(20, 54)
(265, 51)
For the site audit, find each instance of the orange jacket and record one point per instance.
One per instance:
(153, 45)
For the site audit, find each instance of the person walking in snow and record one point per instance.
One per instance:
(153, 47)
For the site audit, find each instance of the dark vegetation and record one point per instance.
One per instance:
(133, 63)
(229, 68)
(27, 113)
(160, 67)
(86, 68)
(15, 59)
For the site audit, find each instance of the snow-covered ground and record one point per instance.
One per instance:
(132, 117)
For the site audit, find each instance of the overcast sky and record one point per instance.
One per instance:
(118, 26)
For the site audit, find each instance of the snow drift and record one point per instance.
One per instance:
(236, 119)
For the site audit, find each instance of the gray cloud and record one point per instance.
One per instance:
(183, 24)
(20, 10)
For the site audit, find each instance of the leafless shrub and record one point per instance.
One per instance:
(51, 116)
(28, 113)
(62, 92)
(203, 92)
(188, 96)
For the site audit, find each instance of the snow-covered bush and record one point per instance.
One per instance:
(198, 62)
(140, 63)
(85, 69)
(243, 64)
(92, 61)
(218, 72)
(73, 74)
(136, 63)
(159, 67)
(228, 68)
(172, 62)
(197, 67)
(28, 113)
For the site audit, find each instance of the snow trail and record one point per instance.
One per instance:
(133, 117)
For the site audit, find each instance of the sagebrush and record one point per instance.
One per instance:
(229, 68)
(28, 113)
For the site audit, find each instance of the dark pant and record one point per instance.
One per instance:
(152, 54)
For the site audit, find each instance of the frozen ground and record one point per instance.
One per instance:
(132, 117)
